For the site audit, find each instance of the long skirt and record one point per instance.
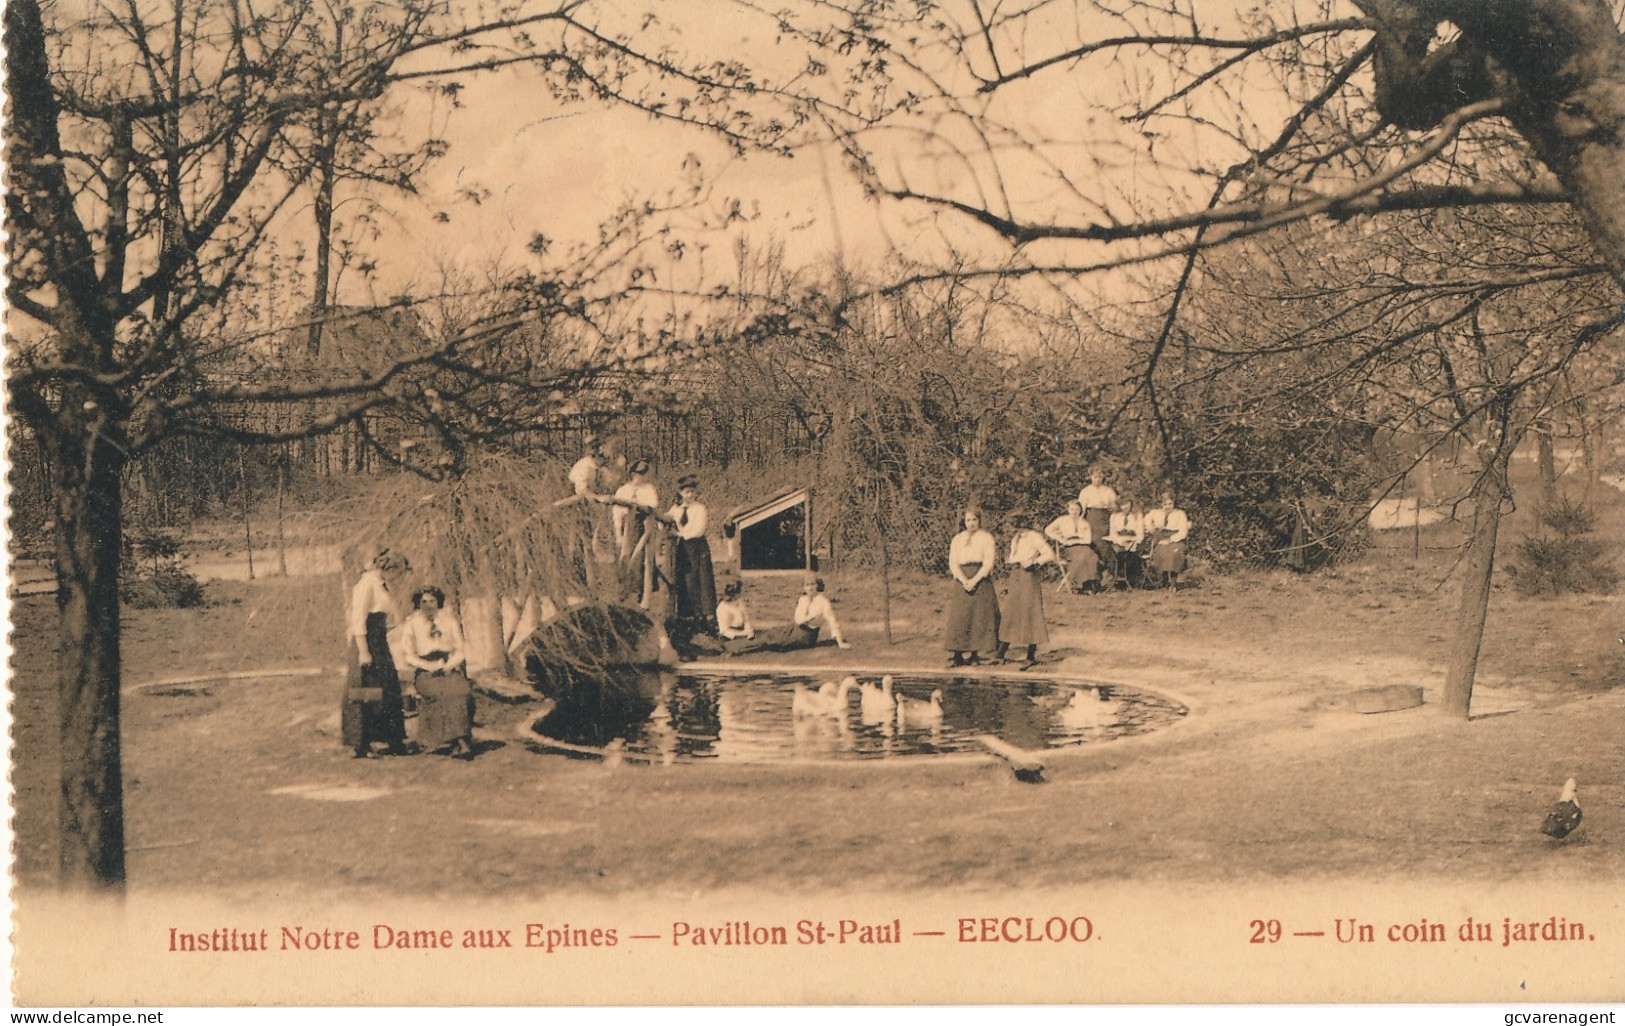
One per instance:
(1100, 523)
(1021, 621)
(695, 583)
(1082, 564)
(372, 693)
(447, 714)
(1100, 526)
(787, 638)
(638, 555)
(1168, 558)
(973, 617)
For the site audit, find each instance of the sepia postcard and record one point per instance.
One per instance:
(823, 502)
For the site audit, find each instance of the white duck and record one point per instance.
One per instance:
(879, 704)
(829, 700)
(924, 714)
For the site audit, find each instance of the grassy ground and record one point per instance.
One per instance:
(1273, 776)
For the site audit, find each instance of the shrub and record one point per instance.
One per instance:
(1566, 563)
(167, 587)
(158, 580)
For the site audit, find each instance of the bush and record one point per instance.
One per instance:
(167, 587)
(1566, 563)
(159, 580)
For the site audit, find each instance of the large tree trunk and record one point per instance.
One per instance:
(89, 536)
(80, 423)
(1475, 589)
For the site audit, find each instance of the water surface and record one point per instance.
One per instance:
(751, 718)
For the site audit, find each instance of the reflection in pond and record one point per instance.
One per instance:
(768, 718)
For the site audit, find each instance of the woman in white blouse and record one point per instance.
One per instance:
(1075, 537)
(694, 581)
(1021, 621)
(733, 616)
(973, 610)
(813, 613)
(1127, 536)
(1098, 499)
(371, 713)
(433, 643)
(1167, 527)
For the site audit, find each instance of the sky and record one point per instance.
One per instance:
(541, 166)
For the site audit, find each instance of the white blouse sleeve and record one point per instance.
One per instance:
(368, 596)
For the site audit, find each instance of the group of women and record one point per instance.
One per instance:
(975, 621)
(813, 614)
(682, 558)
(431, 644)
(685, 563)
(1100, 533)
(430, 640)
(1103, 533)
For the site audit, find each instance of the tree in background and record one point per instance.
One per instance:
(1426, 327)
(155, 150)
(1191, 130)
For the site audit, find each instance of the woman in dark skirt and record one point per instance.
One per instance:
(1075, 538)
(973, 610)
(694, 583)
(1166, 528)
(433, 643)
(1021, 623)
(371, 712)
(1098, 500)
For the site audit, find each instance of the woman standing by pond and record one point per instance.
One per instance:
(1022, 623)
(694, 581)
(973, 610)
(372, 712)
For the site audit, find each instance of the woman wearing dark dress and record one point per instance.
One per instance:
(973, 610)
(694, 582)
(433, 644)
(371, 711)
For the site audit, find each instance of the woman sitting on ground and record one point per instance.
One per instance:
(814, 613)
(733, 616)
(433, 643)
